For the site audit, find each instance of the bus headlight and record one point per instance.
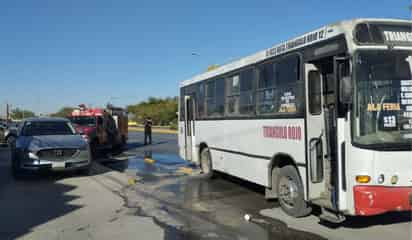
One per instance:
(363, 178)
(381, 179)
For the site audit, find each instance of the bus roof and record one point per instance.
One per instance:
(318, 35)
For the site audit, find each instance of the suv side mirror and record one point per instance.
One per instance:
(346, 90)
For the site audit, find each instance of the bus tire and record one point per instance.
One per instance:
(206, 163)
(290, 192)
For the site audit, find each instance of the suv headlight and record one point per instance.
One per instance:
(33, 156)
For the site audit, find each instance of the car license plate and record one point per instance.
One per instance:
(58, 164)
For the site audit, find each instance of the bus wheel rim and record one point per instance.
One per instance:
(288, 192)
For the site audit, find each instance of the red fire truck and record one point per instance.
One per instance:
(105, 129)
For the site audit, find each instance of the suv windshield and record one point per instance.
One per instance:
(47, 128)
(383, 98)
(83, 121)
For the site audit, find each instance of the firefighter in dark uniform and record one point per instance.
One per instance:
(148, 130)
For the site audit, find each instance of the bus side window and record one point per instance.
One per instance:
(232, 95)
(182, 114)
(315, 93)
(266, 93)
(220, 97)
(247, 93)
(200, 100)
(210, 98)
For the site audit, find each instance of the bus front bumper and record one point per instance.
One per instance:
(373, 200)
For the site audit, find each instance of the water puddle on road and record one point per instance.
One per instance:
(147, 166)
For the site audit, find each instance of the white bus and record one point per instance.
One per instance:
(322, 119)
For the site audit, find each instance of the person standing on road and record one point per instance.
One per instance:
(148, 130)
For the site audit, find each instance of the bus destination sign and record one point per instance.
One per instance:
(297, 42)
(397, 36)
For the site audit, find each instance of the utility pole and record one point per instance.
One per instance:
(7, 111)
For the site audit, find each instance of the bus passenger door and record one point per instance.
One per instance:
(189, 127)
(318, 190)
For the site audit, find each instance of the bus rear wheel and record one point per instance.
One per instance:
(206, 163)
(290, 193)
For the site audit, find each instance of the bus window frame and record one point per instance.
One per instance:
(388, 147)
(301, 80)
(356, 42)
(228, 78)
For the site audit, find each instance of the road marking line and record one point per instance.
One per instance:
(149, 160)
(131, 181)
(185, 170)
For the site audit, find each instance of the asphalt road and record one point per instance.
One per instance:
(129, 197)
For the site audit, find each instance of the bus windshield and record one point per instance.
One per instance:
(383, 98)
(83, 121)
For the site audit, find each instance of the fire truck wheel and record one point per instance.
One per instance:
(93, 150)
(290, 192)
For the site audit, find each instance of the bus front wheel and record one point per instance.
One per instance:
(206, 163)
(290, 192)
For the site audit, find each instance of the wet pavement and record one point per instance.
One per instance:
(189, 206)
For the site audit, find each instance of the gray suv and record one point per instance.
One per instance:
(49, 144)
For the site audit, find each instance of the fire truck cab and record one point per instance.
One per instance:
(105, 129)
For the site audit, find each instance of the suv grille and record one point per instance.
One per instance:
(56, 154)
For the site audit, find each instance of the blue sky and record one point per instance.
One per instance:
(56, 53)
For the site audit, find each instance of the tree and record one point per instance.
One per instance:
(161, 110)
(18, 114)
(63, 112)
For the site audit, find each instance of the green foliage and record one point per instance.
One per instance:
(63, 112)
(174, 126)
(161, 110)
(18, 114)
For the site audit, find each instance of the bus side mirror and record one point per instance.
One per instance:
(346, 90)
